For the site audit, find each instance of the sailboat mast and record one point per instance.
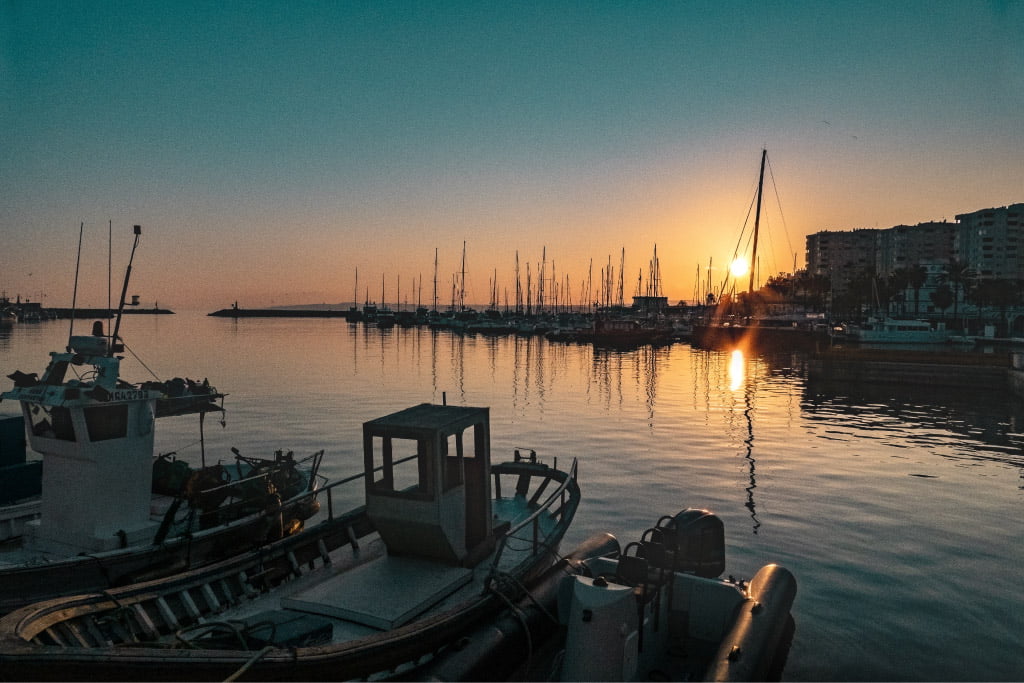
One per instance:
(462, 283)
(757, 222)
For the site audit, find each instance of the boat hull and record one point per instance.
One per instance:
(24, 584)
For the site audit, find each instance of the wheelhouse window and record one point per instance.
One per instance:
(107, 422)
(51, 422)
(454, 471)
(396, 475)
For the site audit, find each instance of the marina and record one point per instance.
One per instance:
(891, 505)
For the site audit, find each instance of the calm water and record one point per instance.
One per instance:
(897, 509)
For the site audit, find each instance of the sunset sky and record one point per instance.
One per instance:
(269, 149)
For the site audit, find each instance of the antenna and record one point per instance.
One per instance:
(124, 290)
(110, 247)
(74, 293)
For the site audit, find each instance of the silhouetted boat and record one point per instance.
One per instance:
(625, 332)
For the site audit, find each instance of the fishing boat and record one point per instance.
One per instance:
(655, 609)
(444, 542)
(97, 522)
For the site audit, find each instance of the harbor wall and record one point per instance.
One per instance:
(918, 368)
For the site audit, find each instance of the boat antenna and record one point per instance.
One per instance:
(74, 292)
(110, 248)
(124, 290)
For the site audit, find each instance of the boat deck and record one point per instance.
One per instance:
(363, 590)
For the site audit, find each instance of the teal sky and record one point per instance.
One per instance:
(271, 148)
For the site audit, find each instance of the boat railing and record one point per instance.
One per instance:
(329, 488)
(560, 496)
(298, 499)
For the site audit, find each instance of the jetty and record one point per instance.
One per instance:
(103, 312)
(235, 312)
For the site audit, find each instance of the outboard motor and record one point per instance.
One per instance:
(697, 539)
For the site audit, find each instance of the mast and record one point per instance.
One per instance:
(435, 279)
(622, 270)
(757, 221)
(518, 286)
(540, 279)
(462, 285)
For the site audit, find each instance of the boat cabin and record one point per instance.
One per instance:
(428, 477)
(96, 436)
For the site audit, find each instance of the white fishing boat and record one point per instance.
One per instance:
(444, 543)
(97, 521)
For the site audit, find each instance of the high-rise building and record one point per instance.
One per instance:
(906, 246)
(991, 242)
(842, 255)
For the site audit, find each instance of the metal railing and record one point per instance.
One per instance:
(533, 520)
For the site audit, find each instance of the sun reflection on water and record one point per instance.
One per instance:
(737, 365)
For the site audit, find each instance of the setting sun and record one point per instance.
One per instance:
(739, 267)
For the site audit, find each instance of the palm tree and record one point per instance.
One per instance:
(916, 277)
(859, 291)
(897, 282)
(960, 275)
(942, 298)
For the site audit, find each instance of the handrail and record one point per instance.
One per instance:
(260, 475)
(314, 492)
(570, 476)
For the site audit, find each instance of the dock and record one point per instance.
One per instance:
(920, 368)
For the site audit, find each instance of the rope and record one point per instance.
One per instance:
(778, 201)
(135, 356)
(248, 664)
(526, 629)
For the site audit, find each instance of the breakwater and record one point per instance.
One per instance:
(102, 312)
(277, 313)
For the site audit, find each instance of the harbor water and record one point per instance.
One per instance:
(897, 508)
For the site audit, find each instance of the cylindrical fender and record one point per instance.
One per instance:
(494, 651)
(752, 643)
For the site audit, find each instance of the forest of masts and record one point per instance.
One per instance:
(540, 289)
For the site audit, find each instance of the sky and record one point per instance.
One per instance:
(270, 150)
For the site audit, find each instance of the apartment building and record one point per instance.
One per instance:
(991, 242)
